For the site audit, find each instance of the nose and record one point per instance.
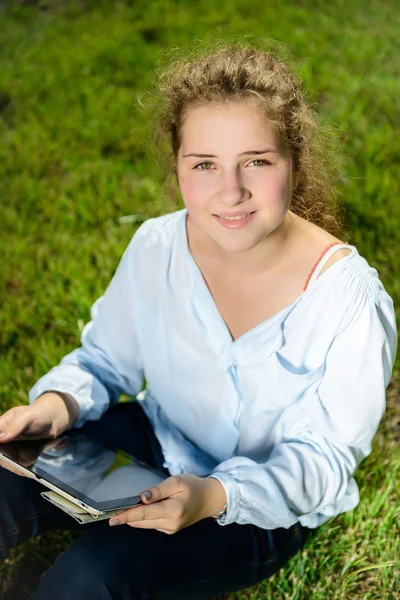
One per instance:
(232, 190)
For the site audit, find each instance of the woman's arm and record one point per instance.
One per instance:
(108, 362)
(308, 476)
(65, 408)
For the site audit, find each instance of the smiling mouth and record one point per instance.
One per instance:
(236, 217)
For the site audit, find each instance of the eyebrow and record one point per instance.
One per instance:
(247, 152)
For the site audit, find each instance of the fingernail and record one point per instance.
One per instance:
(147, 495)
(114, 522)
(4, 435)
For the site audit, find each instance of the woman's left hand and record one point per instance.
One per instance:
(175, 503)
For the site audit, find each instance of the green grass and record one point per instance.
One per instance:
(74, 161)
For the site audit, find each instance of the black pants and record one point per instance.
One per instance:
(201, 561)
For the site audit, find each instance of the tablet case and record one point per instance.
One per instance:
(78, 512)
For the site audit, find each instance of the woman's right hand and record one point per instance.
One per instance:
(46, 418)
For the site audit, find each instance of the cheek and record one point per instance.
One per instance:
(192, 190)
(277, 186)
(186, 189)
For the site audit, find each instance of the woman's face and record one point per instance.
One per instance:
(230, 164)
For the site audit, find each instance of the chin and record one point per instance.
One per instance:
(237, 248)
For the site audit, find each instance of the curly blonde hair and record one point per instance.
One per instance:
(236, 73)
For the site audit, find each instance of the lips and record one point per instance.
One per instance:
(237, 222)
(234, 214)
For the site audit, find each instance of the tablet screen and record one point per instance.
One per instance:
(102, 477)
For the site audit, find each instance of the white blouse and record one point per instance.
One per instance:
(282, 416)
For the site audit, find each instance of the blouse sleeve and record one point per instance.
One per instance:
(309, 475)
(108, 362)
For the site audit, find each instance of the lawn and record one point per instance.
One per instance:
(75, 161)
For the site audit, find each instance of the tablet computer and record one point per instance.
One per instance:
(98, 478)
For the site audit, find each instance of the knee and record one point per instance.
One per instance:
(104, 564)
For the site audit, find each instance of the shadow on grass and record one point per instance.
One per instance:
(21, 572)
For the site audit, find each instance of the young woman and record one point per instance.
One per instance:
(266, 342)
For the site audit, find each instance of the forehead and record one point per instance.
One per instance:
(234, 123)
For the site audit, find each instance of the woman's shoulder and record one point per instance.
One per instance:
(161, 229)
(162, 221)
(313, 241)
(356, 283)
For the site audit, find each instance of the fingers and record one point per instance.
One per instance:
(157, 525)
(16, 421)
(165, 516)
(12, 423)
(5, 424)
(140, 513)
(161, 508)
(163, 490)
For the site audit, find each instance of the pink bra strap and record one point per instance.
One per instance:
(316, 264)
